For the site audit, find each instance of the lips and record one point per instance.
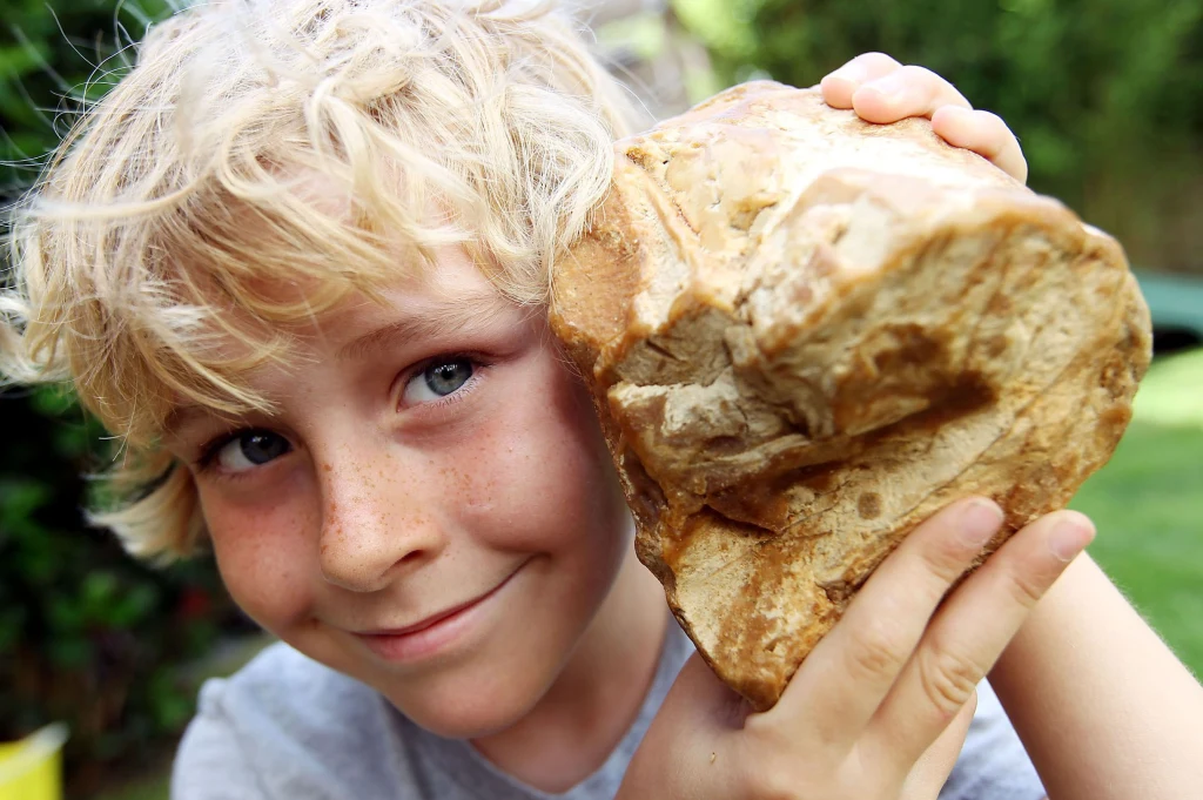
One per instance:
(434, 633)
(434, 619)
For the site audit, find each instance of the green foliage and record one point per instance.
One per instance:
(53, 55)
(87, 636)
(1105, 95)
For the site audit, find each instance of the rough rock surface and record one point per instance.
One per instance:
(807, 334)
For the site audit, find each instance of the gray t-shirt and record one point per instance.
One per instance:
(288, 728)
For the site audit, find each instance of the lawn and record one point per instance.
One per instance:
(1148, 505)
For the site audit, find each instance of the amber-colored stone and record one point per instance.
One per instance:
(808, 333)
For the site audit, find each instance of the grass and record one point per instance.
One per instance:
(1148, 505)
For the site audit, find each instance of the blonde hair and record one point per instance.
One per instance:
(322, 145)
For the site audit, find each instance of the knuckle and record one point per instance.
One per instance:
(946, 560)
(1026, 589)
(772, 779)
(924, 79)
(938, 90)
(874, 653)
(877, 62)
(920, 73)
(994, 128)
(770, 768)
(948, 678)
(992, 120)
(769, 741)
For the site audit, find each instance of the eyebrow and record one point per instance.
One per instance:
(471, 311)
(468, 312)
(182, 417)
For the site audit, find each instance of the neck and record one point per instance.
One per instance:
(573, 729)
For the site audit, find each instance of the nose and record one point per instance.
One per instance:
(376, 523)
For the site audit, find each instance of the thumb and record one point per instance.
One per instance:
(931, 771)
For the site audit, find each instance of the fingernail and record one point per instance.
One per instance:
(979, 522)
(1070, 537)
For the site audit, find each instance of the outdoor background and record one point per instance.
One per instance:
(1106, 96)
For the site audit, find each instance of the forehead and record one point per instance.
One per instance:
(449, 296)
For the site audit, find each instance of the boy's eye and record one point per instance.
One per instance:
(251, 449)
(438, 379)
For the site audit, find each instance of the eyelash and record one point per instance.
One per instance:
(479, 365)
(204, 462)
(210, 449)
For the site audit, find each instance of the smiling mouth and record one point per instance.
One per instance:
(432, 633)
(435, 619)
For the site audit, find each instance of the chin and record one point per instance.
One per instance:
(466, 711)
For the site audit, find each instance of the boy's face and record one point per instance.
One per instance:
(426, 455)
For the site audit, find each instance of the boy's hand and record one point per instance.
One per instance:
(879, 709)
(882, 90)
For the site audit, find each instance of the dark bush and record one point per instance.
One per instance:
(87, 635)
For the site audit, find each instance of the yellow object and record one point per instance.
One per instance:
(32, 769)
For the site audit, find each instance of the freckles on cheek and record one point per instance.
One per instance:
(262, 560)
(552, 464)
(478, 481)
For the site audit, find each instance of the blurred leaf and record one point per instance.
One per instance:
(87, 635)
(70, 653)
(172, 703)
(1105, 95)
(19, 499)
(12, 619)
(135, 605)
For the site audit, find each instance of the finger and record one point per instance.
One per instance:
(839, 85)
(845, 678)
(972, 629)
(983, 133)
(931, 771)
(907, 92)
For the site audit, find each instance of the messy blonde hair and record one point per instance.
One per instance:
(144, 259)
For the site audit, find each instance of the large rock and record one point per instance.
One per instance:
(808, 333)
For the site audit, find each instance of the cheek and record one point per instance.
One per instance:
(548, 477)
(262, 555)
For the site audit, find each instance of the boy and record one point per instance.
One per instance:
(296, 259)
